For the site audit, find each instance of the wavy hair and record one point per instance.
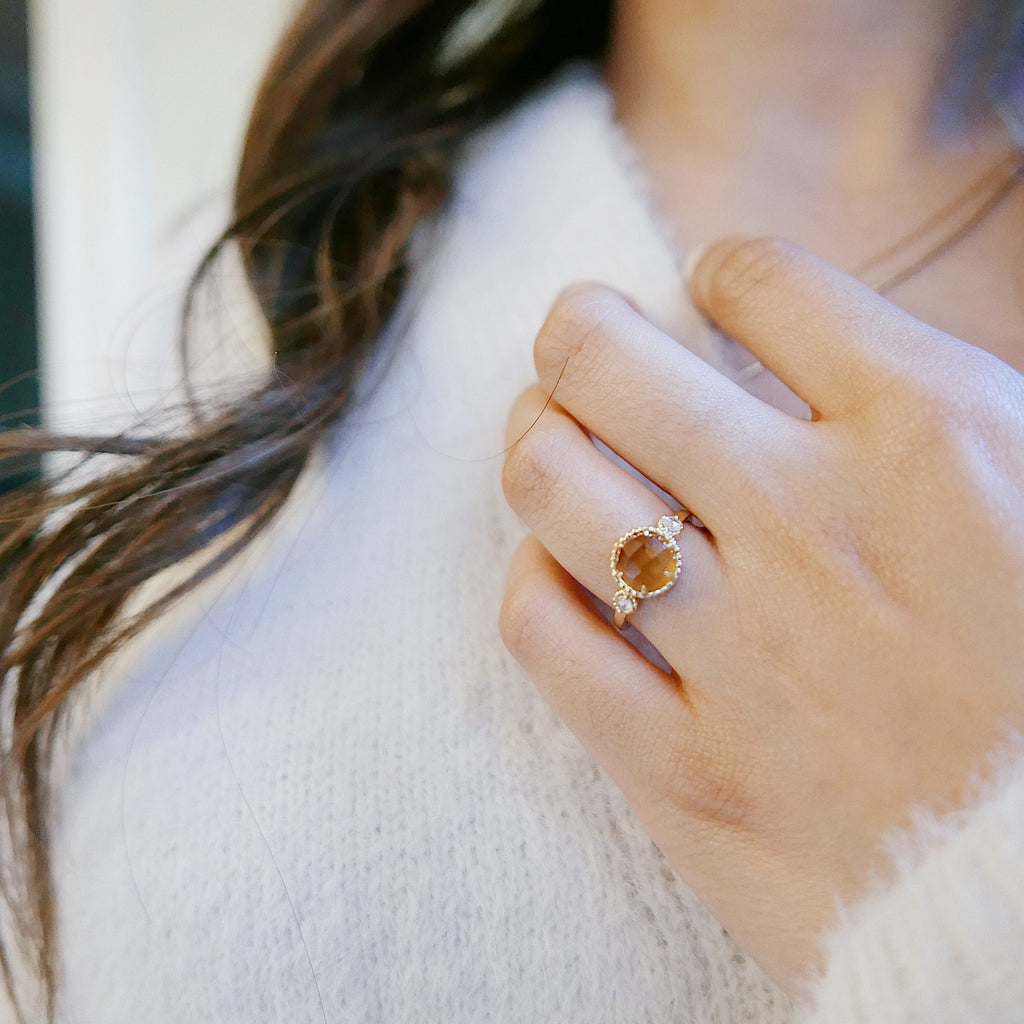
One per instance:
(352, 143)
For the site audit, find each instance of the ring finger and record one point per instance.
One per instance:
(579, 502)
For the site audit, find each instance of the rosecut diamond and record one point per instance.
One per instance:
(624, 602)
(647, 562)
(670, 524)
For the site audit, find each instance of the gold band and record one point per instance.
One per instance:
(646, 562)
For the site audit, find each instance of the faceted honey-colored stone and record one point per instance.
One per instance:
(646, 563)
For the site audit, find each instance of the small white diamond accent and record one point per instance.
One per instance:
(624, 603)
(670, 524)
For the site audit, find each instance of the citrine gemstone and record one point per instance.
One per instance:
(646, 562)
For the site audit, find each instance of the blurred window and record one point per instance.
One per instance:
(19, 395)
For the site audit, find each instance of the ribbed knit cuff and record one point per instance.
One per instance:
(945, 942)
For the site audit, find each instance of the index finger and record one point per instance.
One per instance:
(829, 337)
(685, 426)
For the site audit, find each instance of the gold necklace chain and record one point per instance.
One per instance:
(973, 206)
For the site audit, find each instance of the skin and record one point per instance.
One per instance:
(846, 640)
(826, 137)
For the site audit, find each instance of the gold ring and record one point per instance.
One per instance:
(646, 562)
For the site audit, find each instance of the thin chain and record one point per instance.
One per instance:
(992, 188)
(989, 190)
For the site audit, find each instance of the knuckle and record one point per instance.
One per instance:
(521, 622)
(942, 387)
(750, 268)
(576, 324)
(529, 476)
(938, 408)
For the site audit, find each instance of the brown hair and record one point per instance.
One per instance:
(351, 144)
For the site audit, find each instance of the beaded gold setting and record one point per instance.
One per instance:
(645, 563)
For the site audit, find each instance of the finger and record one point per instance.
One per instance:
(579, 503)
(665, 411)
(624, 710)
(826, 335)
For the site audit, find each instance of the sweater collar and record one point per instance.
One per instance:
(549, 194)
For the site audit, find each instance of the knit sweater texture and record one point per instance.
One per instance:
(322, 791)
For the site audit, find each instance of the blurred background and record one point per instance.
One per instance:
(18, 338)
(121, 123)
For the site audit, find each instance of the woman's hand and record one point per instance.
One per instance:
(847, 638)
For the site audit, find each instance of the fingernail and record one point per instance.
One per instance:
(703, 264)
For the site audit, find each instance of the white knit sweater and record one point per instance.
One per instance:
(324, 792)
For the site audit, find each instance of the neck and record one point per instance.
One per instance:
(781, 110)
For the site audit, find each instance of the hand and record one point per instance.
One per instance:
(846, 640)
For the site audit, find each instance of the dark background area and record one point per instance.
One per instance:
(17, 266)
